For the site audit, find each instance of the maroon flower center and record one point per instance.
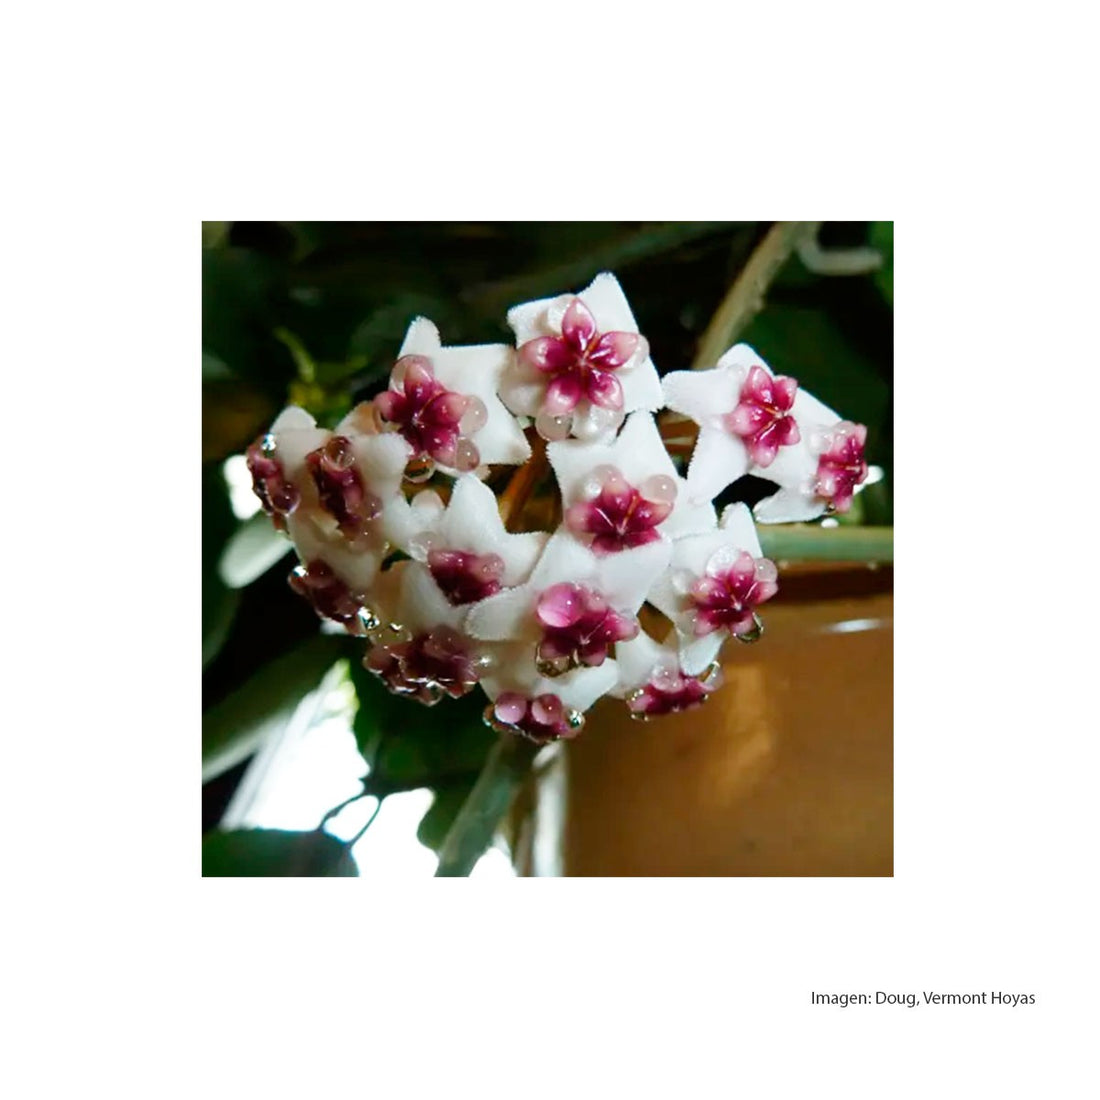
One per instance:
(435, 422)
(542, 719)
(762, 417)
(616, 515)
(330, 597)
(669, 691)
(278, 497)
(340, 489)
(433, 664)
(841, 466)
(578, 627)
(580, 363)
(465, 577)
(729, 593)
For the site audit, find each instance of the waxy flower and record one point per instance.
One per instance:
(576, 606)
(581, 365)
(751, 421)
(465, 545)
(713, 586)
(444, 404)
(626, 493)
(821, 476)
(418, 647)
(542, 719)
(334, 493)
(536, 706)
(653, 682)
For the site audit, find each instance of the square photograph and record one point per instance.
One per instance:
(547, 549)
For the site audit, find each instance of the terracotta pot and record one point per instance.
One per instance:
(787, 770)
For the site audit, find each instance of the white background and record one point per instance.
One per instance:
(127, 975)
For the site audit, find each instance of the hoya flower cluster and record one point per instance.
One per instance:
(448, 599)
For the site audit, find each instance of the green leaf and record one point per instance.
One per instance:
(273, 853)
(379, 336)
(213, 369)
(588, 258)
(219, 603)
(882, 238)
(251, 551)
(236, 727)
(436, 823)
(214, 234)
(408, 745)
(241, 298)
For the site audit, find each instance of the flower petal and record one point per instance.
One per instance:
(507, 616)
(421, 338)
(578, 326)
(696, 654)
(472, 522)
(613, 349)
(789, 506)
(718, 460)
(605, 298)
(703, 395)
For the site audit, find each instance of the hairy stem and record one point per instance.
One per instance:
(472, 832)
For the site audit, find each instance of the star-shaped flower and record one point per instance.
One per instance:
(576, 604)
(821, 474)
(443, 402)
(581, 364)
(532, 705)
(465, 545)
(335, 494)
(751, 421)
(418, 647)
(713, 587)
(653, 682)
(625, 493)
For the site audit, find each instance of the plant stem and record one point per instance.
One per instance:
(746, 296)
(519, 488)
(472, 832)
(809, 542)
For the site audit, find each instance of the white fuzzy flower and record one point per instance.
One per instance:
(713, 586)
(582, 365)
(754, 422)
(576, 605)
(443, 402)
(625, 493)
(465, 545)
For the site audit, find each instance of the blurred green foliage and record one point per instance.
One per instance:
(313, 313)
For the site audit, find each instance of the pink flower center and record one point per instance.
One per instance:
(616, 515)
(330, 597)
(669, 691)
(464, 577)
(277, 495)
(762, 417)
(429, 666)
(542, 719)
(726, 597)
(340, 489)
(578, 628)
(580, 363)
(841, 465)
(435, 421)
